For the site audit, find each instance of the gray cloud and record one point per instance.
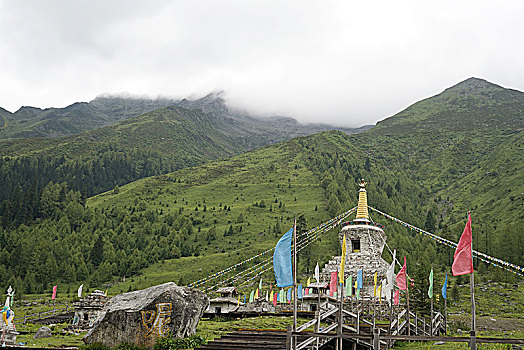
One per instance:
(347, 63)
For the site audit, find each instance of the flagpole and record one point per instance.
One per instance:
(446, 315)
(473, 342)
(431, 318)
(293, 339)
(407, 300)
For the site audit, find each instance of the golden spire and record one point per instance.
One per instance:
(362, 208)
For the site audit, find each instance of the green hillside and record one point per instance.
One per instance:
(470, 105)
(194, 221)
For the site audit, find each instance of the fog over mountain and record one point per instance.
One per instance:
(337, 62)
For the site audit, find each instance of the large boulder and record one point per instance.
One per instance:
(143, 316)
(42, 332)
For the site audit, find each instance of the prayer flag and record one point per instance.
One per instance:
(360, 278)
(245, 298)
(300, 292)
(384, 289)
(342, 260)
(238, 303)
(379, 291)
(390, 276)
(267, 295)
(252, 296)
(445, 288)
(54, 292)
(397, 297)
(462, 259)
(401, 277)
(358, 293)
(80, 290)
(308, 281)
(256, 294)
(289, 295)
(317, 273)
(260, 284)
(333, 283)
(282, 263)
(349, 286)
(375, 282)
(274, 298)
(430, 290)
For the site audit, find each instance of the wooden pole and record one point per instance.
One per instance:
(446, 315)
(341, 314)
(431, 319)
(293, 342)
(407, 298)
(473, 341)
(319, 311)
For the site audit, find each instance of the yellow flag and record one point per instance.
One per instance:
(272, 295)
(238, 303)
(379, 292)
(308, 281)
(256, 294)
(342, 261)
(375, 288)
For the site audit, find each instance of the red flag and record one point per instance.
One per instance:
(401, 277)
(54, 292)
(396, 297)
(333, 283)
(463, 260)
(275, 299)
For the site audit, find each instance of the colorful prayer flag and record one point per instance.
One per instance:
(397, 297)
(375, 284)
(317, 273)
(308, 281)
(360, 279)
(252, 296)
(333, 283)
(349, 286)
(300, 292)
(260, 284)
(54, 292)
(463, 259)
(445, 288)
(282, 263)
(274, 298)
(401, 277)
(342, 260)
(80, 290)
(430, 290)
(289, 295)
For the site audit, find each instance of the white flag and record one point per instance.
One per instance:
(390, 275)
(80, 290)
(317, 273)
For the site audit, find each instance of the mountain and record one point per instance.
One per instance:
(107, 110)
(474, 104)
(214, 214)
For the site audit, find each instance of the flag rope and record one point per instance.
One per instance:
(311, 232)
(483, 257)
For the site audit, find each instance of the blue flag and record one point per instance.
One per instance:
(289, 294)
(359, 280)
(244, 298)
(445, 288)
(300, 293)
(282, 261)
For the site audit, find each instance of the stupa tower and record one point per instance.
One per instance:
(365, 242)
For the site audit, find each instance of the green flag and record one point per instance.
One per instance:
(260, 285)
(430, 290)
(349, 286)
(251, 296)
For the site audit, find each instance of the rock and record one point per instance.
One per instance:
(439, 343)
(142, 316)
(43, 332)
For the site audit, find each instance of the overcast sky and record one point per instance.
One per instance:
(342, 62)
